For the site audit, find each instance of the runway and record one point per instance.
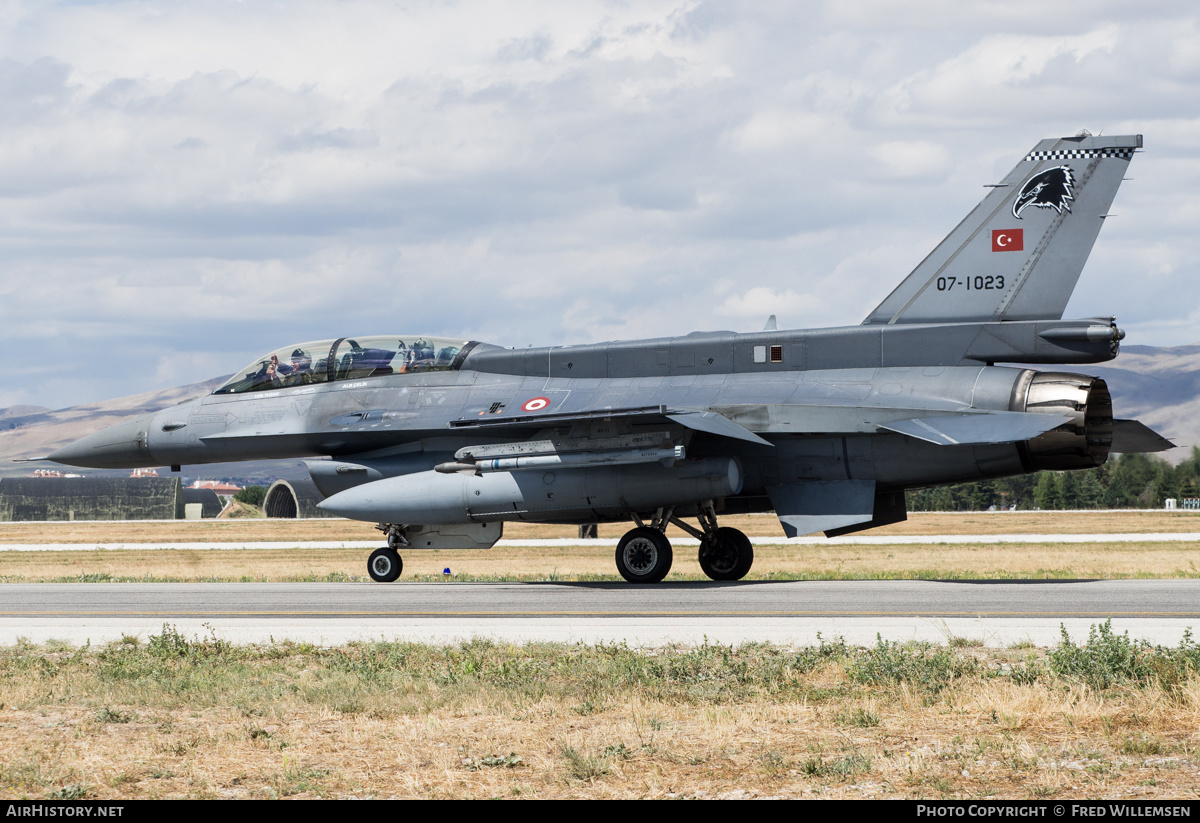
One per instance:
(996, 613)
(852, 540)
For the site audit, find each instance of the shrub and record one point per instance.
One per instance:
(1109, 659)
(251, 496)
(918, 664)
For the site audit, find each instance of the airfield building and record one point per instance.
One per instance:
(91, 498)
(293, 498)
(210, 504)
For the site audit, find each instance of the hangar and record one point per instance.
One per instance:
(91, 498)
(210, 503)
(293, 498)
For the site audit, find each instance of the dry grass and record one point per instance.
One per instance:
(1015, 561)
(756, 525)
(484, 720)
(181, 718)
(818, 561)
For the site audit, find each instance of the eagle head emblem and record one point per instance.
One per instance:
(1050, 189)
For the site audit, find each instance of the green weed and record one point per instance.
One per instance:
(107, 715)
(1109, 659)
(71, 791)
(918, 664)
(847, 765)
(493, 761)
(581, 766)
(864, 718)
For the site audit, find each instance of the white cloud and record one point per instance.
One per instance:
(212, 181)
(915, 158)
(995, 76)
(759, 303)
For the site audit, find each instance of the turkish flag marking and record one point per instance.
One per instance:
(1008, 239)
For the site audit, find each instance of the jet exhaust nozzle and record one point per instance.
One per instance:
(1081, 443)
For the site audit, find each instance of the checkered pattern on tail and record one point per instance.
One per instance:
(1075, 154)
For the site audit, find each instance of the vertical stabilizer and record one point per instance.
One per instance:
(1018, 254)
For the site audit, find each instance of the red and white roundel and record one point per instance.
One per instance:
(536, 404)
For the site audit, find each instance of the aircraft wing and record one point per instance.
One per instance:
(698, 420)
(955, 429)
(978, 428)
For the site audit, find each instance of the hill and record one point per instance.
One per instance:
(1159, 386)
(34, 431)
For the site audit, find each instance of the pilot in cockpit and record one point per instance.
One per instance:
(419, 357)
(271, 371)
(300, 371)
(297, 372)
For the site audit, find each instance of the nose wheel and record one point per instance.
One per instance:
(385, 565)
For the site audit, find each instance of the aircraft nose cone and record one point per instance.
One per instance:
(123, 446)
(392, 500)
(351, 503)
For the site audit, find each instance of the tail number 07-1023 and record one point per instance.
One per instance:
(977, 283)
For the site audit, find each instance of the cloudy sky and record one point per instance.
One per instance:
(184, 186)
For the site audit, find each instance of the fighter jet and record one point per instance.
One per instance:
(441, 441)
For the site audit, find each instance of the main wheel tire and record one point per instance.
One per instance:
(644, 555)
(384, 565)
(728, 556)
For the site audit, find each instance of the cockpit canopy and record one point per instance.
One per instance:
(346, 359)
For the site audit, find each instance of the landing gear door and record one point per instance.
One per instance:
(457, 536)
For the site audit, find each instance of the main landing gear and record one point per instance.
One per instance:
(644, 553)
(384, 565)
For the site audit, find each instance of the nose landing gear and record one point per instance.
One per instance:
(384, 565)
(644, 553)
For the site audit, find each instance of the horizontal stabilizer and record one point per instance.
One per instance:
(1132, 437)
(817, 506)
(977, 429)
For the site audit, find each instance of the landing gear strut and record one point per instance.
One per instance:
(384, 565)
(644, 553)
(728, 555)
(725, 553)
